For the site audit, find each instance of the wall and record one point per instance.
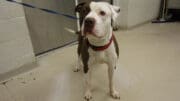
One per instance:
(123, 17)
(135, 12)
(140, 11)
(175, 4)
(15, 45)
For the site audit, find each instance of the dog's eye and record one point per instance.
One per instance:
(102, 13)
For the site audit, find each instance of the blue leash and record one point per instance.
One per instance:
(43, 9)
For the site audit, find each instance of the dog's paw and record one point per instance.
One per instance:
(115, 94)
(88, 96)
(76, 69)
(115, 28)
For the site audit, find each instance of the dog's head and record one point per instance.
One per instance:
(97, 18)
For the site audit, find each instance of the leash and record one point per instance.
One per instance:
(43, 9)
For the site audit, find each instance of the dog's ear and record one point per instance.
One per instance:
(115, 11)
(79, 7)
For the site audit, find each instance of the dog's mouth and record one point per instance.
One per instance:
(93, 34)
(88, 30)
(91, 31)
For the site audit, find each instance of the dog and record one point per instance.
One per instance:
(96, 42)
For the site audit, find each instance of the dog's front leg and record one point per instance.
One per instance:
(113, 92)
(78, 65)
(88, 95)
(88, 73)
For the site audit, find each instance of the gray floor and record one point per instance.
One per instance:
(148, 70)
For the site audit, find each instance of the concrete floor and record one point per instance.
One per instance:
(148, 70)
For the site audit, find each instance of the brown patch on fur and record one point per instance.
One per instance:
(83, 9)
(116, 46)
(83, 51)
(85, 54)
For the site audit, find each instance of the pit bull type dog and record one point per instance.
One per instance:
(97, 44)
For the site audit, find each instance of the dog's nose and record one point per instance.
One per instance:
(89, 22)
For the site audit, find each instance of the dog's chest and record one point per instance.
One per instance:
(103, 56)
(100, 57)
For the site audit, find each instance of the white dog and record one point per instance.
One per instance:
(97, 43)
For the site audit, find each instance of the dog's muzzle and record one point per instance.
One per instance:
(89, 25)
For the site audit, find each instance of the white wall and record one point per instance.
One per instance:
(15, 45)
(140, 11)
(122, 20)
(135, 12)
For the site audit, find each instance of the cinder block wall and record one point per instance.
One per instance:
(15, 45)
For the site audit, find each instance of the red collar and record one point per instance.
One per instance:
(101, 48)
